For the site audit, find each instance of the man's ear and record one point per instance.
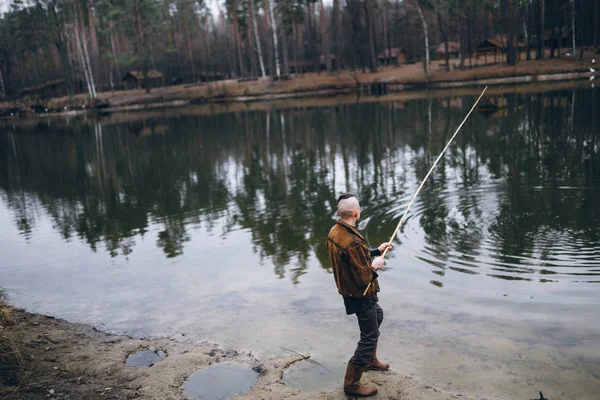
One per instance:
(339, 213)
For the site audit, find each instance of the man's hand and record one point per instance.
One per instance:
(383, 246)
(378, 263)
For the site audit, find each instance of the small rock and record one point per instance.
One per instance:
(51, 391)
(47, 348)
(54, 368)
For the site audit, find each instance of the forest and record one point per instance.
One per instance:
(90, 46)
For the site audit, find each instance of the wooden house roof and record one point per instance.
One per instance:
(453, 47)
(391, 54)
(154, 74)
(498, 42)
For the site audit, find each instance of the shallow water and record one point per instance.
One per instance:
(214, 227)
(220, 382)
(145, 358)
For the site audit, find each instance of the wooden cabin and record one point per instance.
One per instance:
(135, 79)
(394, 56)
(303, 66)
(300, 67)
(453, 50)
(323, 62)
(495, 46)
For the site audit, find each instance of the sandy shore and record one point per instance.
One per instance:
(62, 360)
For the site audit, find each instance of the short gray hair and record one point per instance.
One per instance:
(349, 205)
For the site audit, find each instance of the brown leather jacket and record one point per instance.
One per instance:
(350, 259)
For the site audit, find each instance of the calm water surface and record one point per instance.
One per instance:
(214, 227)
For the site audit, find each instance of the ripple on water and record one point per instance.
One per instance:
(220, 382)
(471, 231)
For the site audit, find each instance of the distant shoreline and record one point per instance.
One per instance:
(387, 81)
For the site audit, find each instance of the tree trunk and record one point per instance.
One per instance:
(445, 38)
(284, 51)
(552, 36)
(526, 36)
(470, 35)
(234, 65)
(274, 30)
(540, 44)
(258, 49)
(309, 35)
(139, 29)
(574, 54)
(596, 22)
(511, 53)
(461, 39)
(237, 38)
(2, 91)
(426, 34)
(95, 48)
(384, 28)
(295, 43)
(325, 39)
(188, 42)
(251, 38)
(560, 31)
(114, 51)
(59, 42)
(82, 52)
(370, 34)
(142, 46)
(581, 30)
(337, 34)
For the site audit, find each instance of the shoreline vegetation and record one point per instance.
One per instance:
(405, 80)
(63, 360)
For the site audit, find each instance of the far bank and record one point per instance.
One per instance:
(404, 78)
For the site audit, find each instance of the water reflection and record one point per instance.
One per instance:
(515, 197)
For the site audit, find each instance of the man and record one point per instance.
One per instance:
(353, 270)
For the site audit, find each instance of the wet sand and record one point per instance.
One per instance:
(72, 361)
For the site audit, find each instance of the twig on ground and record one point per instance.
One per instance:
(307, 358)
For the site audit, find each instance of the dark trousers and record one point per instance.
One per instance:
(370, 316)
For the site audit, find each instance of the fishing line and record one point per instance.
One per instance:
(403, 219)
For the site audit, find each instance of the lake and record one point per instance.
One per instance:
(213, 227)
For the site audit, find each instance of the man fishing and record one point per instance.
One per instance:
(355, 275)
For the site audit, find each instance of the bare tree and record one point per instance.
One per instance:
(237, 38)
(324, 38)
(258, 48)
(274, 30)
(426, 34)
(573, 53)
(540, 44)
(82, 51)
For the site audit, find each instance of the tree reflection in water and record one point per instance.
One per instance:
(532, 159)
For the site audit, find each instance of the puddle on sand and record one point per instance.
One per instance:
(306, 375)
(145, 358)
(220, 382)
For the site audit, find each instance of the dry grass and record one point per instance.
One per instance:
(10, 357)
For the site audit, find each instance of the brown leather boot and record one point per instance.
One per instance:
(375, 364)
(352, 385)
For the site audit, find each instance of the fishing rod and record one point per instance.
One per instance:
(403, 219)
